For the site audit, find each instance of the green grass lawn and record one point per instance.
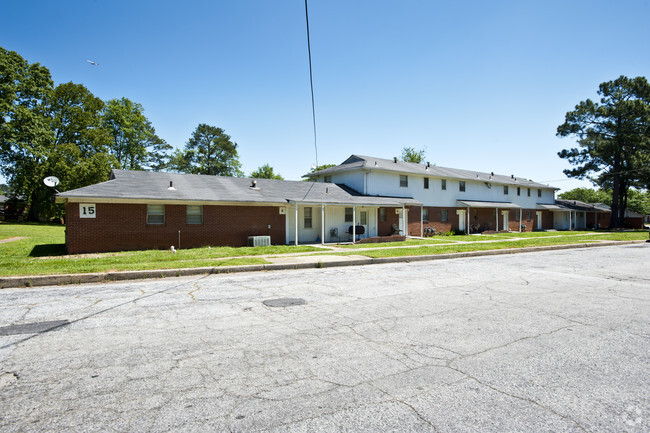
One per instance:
(42, 252)
(493, 242)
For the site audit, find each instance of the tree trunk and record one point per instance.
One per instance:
(32, 215)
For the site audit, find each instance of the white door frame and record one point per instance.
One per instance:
(461, 219)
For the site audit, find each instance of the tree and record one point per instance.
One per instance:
(25, 139)
(588, 195)
(410, 154)
(208, 151)
(614, 139)
(134, 142)
(265, 172)
(321, 167)
(79, 153)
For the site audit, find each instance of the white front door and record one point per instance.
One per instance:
(400, 223)
(539, 220)
(461, 220)
(363, 221)
(506, 216)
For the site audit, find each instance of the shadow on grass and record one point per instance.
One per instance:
(46, 250)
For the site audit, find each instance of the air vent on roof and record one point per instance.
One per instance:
(254, 184)
(395, 159)
(171, 186)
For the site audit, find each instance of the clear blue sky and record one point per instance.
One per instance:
(481, 85)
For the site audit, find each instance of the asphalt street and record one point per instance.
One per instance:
(549, 341)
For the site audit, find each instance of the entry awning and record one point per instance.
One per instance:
(489, 204)
(551, 207)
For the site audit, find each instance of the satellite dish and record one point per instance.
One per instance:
(51, 181)
(313, 166)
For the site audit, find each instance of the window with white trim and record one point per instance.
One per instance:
(307, 217)
(382, 214)
(505, 189)
(425, 214)
(426, 183)
(348, 214)
(193, 214)
(403, 180)
(155, 214)
(461, 186)
(443, 185)
(363, 218)
(444, 215)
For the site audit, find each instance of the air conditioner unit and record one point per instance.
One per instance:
(259, 241)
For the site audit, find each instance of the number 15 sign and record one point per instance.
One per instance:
(87, 210)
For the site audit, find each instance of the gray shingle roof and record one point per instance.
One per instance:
(582, 206)
(142, 185)
(356, 162)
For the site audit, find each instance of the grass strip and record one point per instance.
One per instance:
(485, 246)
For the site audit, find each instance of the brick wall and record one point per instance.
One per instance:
(385, 228)
(123, 227)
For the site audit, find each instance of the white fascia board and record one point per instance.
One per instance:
(163, 201)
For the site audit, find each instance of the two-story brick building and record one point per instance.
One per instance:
(362, 197)
(451, 199)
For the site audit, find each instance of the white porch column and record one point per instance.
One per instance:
(570, 220)
(404, 224)
(322, 224)
(467, 228)
(422, 221)
(296, 241)
(354, 224)
(497, 226)
(520, 215)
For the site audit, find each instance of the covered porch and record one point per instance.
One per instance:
(568, 215)
(480, 216)
(319, 222)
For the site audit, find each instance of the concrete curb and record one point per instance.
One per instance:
(103, 277)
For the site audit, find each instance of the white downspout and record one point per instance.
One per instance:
(322, 224)
(422, 221)
(296, 240)
(354, 224)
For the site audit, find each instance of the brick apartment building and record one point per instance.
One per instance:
(360, 198)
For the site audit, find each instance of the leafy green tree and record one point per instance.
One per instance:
(79, 153)
(208, 151)
(318, 168)
(134, 142)
(266, 172)
(614, 140)
(410, 154)
(25, 137)
(588, 195)
(639, 201)
(321, 167)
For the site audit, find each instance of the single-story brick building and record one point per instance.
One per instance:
(137, 210)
